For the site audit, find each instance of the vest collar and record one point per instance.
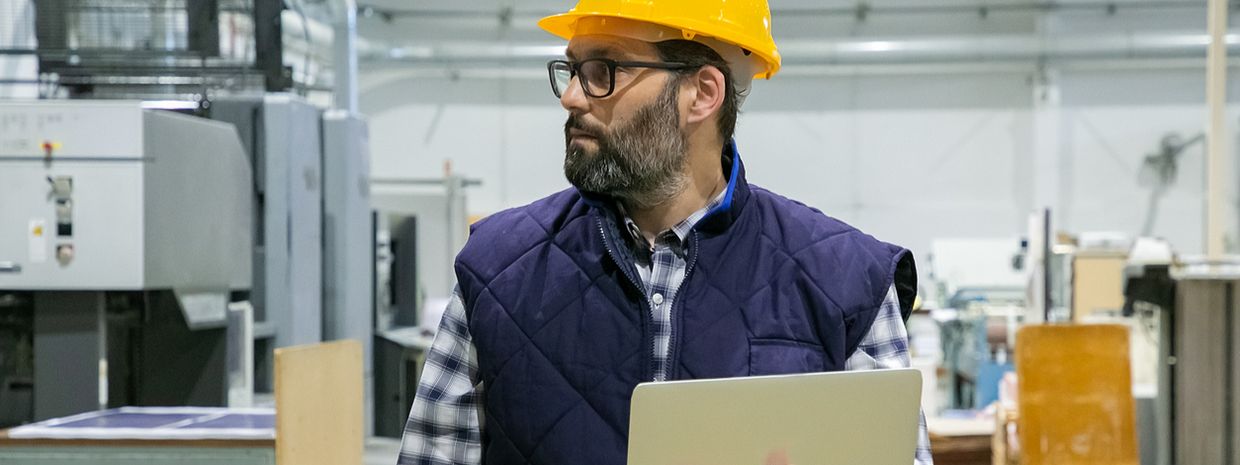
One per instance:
(722, 216)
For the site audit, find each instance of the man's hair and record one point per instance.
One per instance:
(697, 55)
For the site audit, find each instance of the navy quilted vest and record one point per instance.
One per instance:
(560, 324)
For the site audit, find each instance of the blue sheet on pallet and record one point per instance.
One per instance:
(156, 423)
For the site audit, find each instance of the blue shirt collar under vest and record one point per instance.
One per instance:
(729, 157)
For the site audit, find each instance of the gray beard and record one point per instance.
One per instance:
(642, 162)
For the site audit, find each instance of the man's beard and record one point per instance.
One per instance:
(641, 162)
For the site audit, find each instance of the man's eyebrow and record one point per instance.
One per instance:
(606, 51)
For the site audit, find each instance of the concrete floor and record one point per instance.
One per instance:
(381, 451)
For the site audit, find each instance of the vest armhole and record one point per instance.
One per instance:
(905, 281)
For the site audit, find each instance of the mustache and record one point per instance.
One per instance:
(575, 122)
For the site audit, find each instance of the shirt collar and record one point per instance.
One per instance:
(680, 230)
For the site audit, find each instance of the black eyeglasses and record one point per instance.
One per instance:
(597, 75)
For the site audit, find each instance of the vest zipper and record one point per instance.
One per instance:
(679, 302)
(637, 284)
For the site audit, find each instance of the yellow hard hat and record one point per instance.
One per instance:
(743, 23)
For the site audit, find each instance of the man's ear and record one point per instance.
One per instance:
(708, 86)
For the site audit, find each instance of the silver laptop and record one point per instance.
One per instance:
(845, 418)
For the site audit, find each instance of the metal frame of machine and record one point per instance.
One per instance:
(313, 241)
(122, 239)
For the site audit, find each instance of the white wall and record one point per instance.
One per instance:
(1112, 121)
(907, 158)
(506, 133)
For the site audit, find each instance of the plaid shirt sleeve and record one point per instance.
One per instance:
(886, 346)
(443, 426)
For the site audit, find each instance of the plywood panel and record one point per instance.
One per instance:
(1200, 394)
(1234, 346)
(1097, 284)
(1076, 404)
(319, 404)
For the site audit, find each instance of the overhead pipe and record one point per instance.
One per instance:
(863, 9)
(958, 49)
(860, 9)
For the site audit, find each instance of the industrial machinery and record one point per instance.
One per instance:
(421, 225)
(1197, 305)
(282, 136)
(439, 206)
(980, 301)
(313, 236)
(349, 244)
(348, 233)
(295, 240)
(118, 256)
(308, 242)
(178, 52)
(1159, 172)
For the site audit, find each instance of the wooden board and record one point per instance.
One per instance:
(961, 450)
(1075, 402)
(1204, 352)
(319, 404)
(1234, 346)
(1097, 284)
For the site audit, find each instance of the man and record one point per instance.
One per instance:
(661, 263)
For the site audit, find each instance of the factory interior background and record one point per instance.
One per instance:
(1047, 162)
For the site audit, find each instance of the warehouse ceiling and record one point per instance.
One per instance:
(457, 34)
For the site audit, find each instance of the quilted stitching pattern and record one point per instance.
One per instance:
(561, 343)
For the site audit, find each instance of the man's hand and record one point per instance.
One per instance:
(778, 457)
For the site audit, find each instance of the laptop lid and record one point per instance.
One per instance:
(858, 417)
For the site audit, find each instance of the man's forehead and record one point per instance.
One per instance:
(606, 46)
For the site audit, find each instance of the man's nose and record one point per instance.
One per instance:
(573, 98)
